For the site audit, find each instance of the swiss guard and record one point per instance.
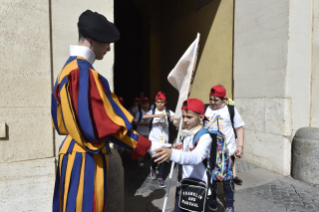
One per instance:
(90, 115)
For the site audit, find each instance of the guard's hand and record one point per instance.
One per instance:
(239, 152)
(162, 154)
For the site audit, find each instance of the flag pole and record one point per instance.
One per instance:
(172, 168)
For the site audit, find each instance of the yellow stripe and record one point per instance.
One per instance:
(99, 183)
(126, 139)
(66, 145)
(126, 113)
(79, 197)
(62, 129)
(68, 69)
(69, 168)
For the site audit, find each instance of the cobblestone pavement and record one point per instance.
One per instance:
(262, 190)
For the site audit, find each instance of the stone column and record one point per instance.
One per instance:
(305, 149)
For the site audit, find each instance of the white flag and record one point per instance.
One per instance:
(181, 76)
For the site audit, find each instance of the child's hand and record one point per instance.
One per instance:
(162, 115)
(239, 152)
(162, 155)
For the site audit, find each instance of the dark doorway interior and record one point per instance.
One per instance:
(128, 64)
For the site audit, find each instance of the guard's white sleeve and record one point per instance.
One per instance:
(201, 151)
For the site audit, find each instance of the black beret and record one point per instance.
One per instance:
(95, 26)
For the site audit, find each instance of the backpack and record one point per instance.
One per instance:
(231, 110)
(220, 161)
(168, 117)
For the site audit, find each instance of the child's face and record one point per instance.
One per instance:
(135, 103)
(216, 102)
(191, 119)
(160, 104)
(145, 105)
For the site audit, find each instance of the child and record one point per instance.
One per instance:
(218, 109)
(142, 125)
(159, 131)
(135, 107)
(190, 156)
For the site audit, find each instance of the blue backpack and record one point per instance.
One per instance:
(220, 162)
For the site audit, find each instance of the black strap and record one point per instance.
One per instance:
(231, 110)
(151, 122)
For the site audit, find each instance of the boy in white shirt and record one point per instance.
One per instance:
(159, 131)
(219, 110)
(142, 125)
(190, 156)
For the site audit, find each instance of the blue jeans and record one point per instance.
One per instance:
(161, 168)
(229, 190)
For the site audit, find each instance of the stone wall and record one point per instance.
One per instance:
(272, 76)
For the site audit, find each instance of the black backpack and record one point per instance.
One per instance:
(231, 110)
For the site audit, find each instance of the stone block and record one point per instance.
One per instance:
(269, 151)
(278, 116)
(30, 134)
(27, 185)
(305, 153)
(3, 133)
(25, 56)
(252, 111)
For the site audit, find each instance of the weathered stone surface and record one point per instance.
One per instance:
(305, 153)
(278, 116)
(27, 185)
(115, 189)
(267, 150)
(30, 134)
(3, 133)
(25, 53)
(254, 117)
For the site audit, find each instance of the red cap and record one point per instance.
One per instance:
(121, 99)
(136, 99)
(195, 105)
(145, 99)
(218, 90)
(160, 95)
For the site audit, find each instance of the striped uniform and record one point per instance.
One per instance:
(90, 115)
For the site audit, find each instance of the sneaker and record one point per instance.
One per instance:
(153, 174)
(230, 210)
(212, 205)
(161, 183)
(237, 181)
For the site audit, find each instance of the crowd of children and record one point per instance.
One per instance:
(193, 154)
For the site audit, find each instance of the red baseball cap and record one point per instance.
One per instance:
(145, 99)
(195, 105)
(218, 90)
(121, 99)
(136, 99)
(160, 95)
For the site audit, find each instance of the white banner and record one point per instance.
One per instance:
(181, 76)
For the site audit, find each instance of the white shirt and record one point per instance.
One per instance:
(84, 52)
(225, 125)
(141, 129)
(192, 160)
(159, 131)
